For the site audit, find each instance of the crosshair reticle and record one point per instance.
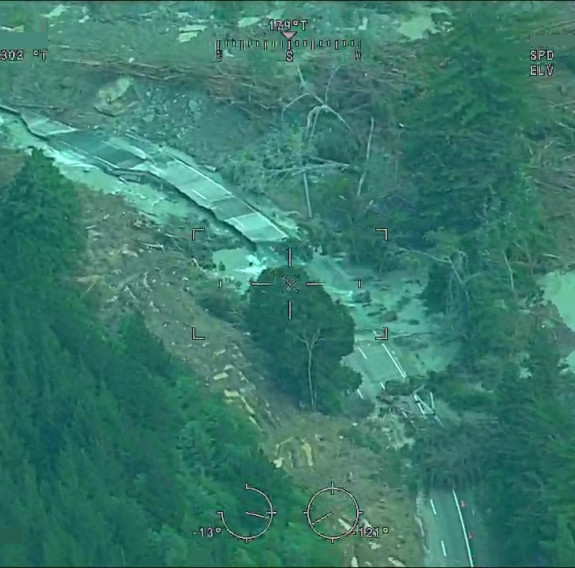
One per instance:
(335, 503)
(289, 284)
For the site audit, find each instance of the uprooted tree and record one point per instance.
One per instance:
(451, 455)
(305, 346)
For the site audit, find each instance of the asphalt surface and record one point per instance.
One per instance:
(447, 537)
(372, 359)
(483, 547)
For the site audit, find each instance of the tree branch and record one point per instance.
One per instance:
(310, 346)
(510, 272)
(448, 261)
(307, 197)
(367, 155)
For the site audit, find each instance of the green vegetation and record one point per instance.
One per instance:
(304, 353)
(482, 226)
(112, 453)
(43, 235)
(462, 143)
(468, 153)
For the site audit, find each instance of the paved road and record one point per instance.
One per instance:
(456, 534)
(483, 546)
(372, 359)
(447, 538)
(378, 362)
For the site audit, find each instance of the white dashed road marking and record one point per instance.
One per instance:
(443, 549)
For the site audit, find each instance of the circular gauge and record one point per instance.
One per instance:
(260, 518)
(332, 503)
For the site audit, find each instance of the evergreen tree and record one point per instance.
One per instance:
(463, 140)
(305, 351)
(40, 223)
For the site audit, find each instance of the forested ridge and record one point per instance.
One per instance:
(111, 453)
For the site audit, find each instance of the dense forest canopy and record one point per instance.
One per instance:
(112, 453)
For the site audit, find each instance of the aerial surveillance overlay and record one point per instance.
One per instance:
(287, 284)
